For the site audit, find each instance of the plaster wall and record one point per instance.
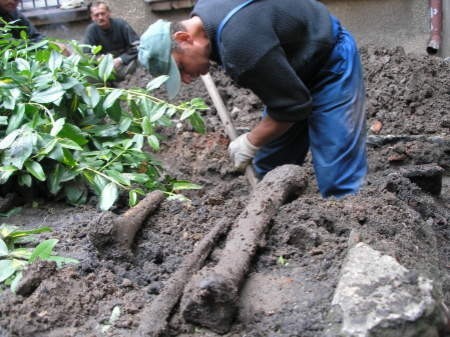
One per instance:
(389, 23)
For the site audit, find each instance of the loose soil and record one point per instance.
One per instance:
(291, 281)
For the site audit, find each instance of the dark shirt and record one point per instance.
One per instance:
(120, 39)
(273, 47)
(21, 20)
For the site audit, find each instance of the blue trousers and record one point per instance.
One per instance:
(335, 131)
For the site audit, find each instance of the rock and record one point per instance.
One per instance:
(378, 297)
(376, 127)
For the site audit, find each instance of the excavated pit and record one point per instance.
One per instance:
(402, 211)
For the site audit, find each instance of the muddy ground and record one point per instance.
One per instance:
(291, 281)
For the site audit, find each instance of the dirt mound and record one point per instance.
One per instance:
(288, 291)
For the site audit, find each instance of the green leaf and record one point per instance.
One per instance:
(47, 148)
(105, 67)
(10, 100)
(198, 104)
(115, 112)
(108, 196)
(69, 83)
(69, 144)
(22, 64)
(15, 120)
(26, 232)
(197, 123)
(125, 123)
(112, 98)
(25, 180)
(21, 253)
(6, 230)
(55, 61)
(118, 177)
(43, 81)
(7, 269)
(96, 49)
(20, 150)
(3, 120)
(153, 142)
(146, 125)
(75, 193)
(91, 96)
(35, 170)
(6, 172)
(106, 131)
(187, 113)
(156, 82)
(74, 133)
(185, 185)
(3, 248)
(140, 178)
(15, 282)
(43, 250)
(9, 139)
(54, 180)
(57, 126)
(53, 94)
(98, 183)
(132, 198)
(158, 113)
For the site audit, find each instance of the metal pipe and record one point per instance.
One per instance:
(435, 26)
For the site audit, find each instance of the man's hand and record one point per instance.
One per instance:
(242, 151)
(117, 63)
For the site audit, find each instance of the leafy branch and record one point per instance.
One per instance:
(61, 126)
(15, 253)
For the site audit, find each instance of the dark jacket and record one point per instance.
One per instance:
(273, 47)
(120, 39)
(16, 18)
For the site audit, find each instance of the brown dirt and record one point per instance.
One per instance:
(408, 94)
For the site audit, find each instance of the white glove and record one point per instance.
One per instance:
(242, 151)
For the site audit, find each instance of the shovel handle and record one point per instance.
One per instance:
(225, 117)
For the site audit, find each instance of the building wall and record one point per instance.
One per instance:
(389, 23)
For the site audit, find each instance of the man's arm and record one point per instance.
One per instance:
(131, 41)
(33, 34)
(267, 130)
(287, 100)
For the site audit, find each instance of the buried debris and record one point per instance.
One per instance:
(155, 317)
(113, 235)
(380, 140)
(33, 275)
(211, 297)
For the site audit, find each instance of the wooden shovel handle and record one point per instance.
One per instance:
(225, 117)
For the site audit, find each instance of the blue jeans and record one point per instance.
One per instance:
(335, 131)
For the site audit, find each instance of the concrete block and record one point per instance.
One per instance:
(378, 297)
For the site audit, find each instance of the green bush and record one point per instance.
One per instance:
(62, 126)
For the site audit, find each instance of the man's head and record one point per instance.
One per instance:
(9, 6)
(179, 50)
(100, 14)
